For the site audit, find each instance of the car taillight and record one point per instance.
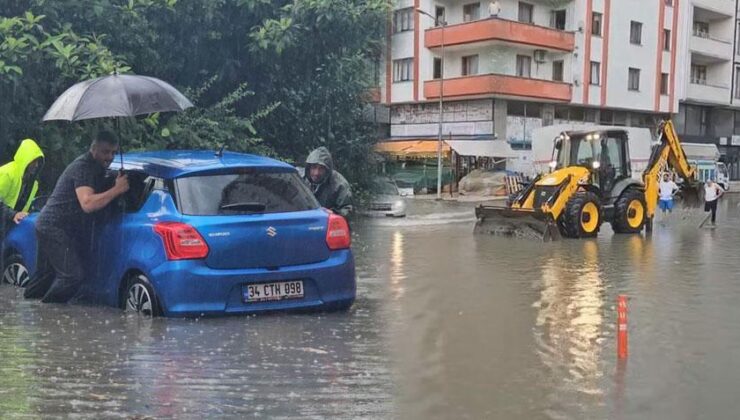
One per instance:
(181, 241)
(337, 234)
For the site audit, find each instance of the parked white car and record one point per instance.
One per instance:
(385, 201)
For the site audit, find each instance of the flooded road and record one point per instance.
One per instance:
(446, 325)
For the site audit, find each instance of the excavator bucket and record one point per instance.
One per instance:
(690, 195)
(515, 222)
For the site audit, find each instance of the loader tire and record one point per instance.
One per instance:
(582, 216)
(630, 213)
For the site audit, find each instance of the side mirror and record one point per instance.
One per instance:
(38, 203)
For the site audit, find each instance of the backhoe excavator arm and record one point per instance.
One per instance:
(669, 152)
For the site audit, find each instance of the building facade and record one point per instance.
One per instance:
(507, 67)
(709, 93)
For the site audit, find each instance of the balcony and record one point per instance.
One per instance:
(497, 84)
(500, 30)
(718, 9)
(711, 48)
(706, 93)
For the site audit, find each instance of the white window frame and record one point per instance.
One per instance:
(403, 70)
(524, 62)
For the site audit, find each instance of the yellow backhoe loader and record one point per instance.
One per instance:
(590, 183)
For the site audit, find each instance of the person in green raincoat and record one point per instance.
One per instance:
(329, 187)
(19, 183)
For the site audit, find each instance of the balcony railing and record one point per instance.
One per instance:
(495, 29)
(498, 84)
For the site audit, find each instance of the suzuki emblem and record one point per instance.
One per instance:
(271, 232)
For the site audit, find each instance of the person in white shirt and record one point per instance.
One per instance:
(666, 190)
(712, 193)
(494, 9)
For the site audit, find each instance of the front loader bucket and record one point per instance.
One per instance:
(514, 222)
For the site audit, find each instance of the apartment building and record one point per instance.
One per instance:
(533, 63)
(709, 70)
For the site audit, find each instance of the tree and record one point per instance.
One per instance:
(304, 60)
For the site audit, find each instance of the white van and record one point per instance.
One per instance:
(704, 157)
(639, 141)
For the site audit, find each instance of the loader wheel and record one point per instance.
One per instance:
(629, 212)
(582, 216)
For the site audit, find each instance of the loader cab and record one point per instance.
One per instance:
(604, 153)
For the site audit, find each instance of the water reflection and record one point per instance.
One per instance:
(569, 322)
(397, 274)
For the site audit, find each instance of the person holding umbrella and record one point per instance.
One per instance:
(66, 217)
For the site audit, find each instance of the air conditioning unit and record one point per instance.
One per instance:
(539, 56)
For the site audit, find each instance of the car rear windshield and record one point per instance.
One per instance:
(246, 192)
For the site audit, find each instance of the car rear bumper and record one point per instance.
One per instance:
(190, 288)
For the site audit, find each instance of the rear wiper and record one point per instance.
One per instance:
(246, 206)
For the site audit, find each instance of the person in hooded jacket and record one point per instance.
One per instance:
(329, 187)
(19, 183)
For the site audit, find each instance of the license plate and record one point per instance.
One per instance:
(272, 291)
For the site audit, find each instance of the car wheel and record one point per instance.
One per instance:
(139, 297)
(16, 272)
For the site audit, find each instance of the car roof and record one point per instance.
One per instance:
(170, 164)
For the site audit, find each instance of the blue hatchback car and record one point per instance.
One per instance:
(200, 233)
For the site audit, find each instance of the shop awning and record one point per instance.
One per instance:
(420, 149)
(482, 148)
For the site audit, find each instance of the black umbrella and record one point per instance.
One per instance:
(116, 96)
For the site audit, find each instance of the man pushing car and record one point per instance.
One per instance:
(66, 218)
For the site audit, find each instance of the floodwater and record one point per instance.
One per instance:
(447, 325)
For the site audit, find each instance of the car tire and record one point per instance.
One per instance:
(138, 297)
(15, 271)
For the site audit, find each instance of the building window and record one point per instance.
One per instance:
(595, 78)
(669, 2)
(437, 72)
(471, 12)
(557, 19)
(701, 29)
(698, 74)
(596, 24)
(695, 120)
(526, 12)
(403, 70)
(636, 33)
(403, 20)
(577, 114)
(523, 66)
(634, 79)
(664, 84)
(469, 65)
(439, 15)
(590, 115)
(620, 118)
(557, 71)
(737, 123)
(737, 83)
(606, 117)
(667, 39)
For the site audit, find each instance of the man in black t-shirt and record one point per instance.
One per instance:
(66, 218)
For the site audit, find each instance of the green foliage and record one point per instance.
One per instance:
(304, 61)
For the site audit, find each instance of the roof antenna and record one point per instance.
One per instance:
(220, 152)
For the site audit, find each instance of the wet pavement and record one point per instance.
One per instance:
(446, 325)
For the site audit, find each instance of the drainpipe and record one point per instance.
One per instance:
(734, 61)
